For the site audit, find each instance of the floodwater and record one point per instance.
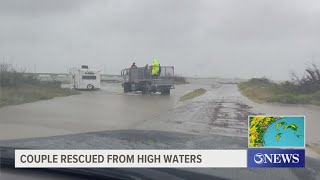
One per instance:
(222, 110)
(106, 109)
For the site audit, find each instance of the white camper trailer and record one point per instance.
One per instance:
(84, 78)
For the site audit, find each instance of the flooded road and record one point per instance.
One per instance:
(224, 110)
(221, 111)
(107, 109)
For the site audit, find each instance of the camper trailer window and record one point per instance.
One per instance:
(89, 77)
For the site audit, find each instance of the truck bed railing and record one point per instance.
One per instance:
(140, 74)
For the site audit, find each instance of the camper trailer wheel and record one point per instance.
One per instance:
(90, 86)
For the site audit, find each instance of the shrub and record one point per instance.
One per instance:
(289, 87)
(10, 77)
(309, 82)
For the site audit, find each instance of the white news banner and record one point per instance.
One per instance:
(130, 158)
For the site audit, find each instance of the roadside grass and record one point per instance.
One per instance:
(262, 90)
(32, 92)
(17, 87)
(193, 94)
(180, 80)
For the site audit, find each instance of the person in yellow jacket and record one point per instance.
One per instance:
(155, 69)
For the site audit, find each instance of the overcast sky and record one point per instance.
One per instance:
(244, 39)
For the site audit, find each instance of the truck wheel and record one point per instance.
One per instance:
(126, 87)
(145, 90)
(165, 92)
(90, 86)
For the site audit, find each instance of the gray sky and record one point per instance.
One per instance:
(247, 38)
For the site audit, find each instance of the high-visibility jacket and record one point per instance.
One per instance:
(155, 67)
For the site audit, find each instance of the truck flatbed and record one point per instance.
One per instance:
(141, 79)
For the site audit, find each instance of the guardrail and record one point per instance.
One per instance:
(64, 76)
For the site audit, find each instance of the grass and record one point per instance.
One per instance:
(32, 92)
(263, 90)
(17, 87)
(193, 94)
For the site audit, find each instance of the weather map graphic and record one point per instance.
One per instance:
(276, 131)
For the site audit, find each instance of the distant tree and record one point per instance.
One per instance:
(310, 81)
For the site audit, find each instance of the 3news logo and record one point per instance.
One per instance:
(260, 158)
(276, 141)
(276, 158)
